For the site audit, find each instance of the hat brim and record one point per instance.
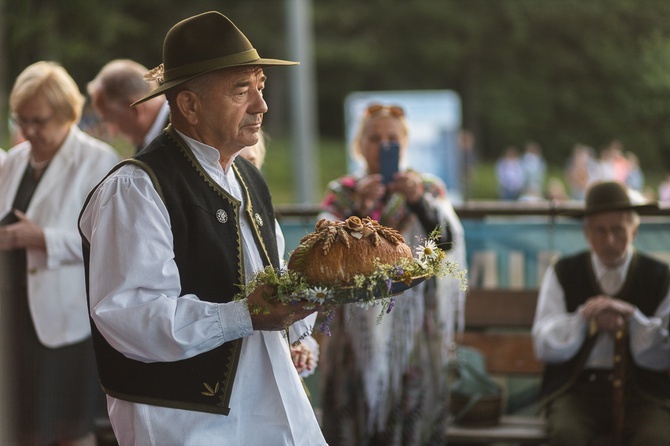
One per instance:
(166, 86)
(649, 208)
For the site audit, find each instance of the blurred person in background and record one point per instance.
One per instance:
(556, 190)
(510, 174)
(43, 184)
(381, 382)
(118, 84)
(580, 171)
(468, 150)
(619, 160)
(664, 189)
(634, 176)
(534, 170)
(586, 301)
(256, 153)
(612, 165)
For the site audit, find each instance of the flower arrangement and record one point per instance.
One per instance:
(377, 288)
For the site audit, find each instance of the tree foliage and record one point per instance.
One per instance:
(555, 72)
(558, 72)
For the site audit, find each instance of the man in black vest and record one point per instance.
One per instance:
(601, 328)
(120, 83)
(168, 237)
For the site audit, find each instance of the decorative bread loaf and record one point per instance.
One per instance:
(339, 250)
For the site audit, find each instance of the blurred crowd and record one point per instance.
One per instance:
(522, 174)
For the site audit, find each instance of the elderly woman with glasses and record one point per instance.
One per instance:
(43, 184)
(382, 382)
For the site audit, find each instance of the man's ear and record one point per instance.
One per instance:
(188, 105)
(136, 111)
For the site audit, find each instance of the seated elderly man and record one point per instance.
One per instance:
(609, 304)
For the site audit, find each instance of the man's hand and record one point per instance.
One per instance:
(23, 234)
(608, 313)
(271, 314)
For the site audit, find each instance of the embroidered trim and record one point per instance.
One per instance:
(250, 213)
(188, 153)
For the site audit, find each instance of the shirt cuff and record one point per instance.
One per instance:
(235, 320)
(637, 320)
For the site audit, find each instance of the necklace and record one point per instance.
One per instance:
(38, 165)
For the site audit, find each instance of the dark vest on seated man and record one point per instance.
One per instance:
(645, 286)
(205, 223)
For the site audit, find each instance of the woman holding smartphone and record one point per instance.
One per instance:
(382, 382)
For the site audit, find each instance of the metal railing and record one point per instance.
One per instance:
(478, 209)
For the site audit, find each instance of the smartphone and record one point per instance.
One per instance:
(389, 158)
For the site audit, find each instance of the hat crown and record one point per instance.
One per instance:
(201, 44)
(610, 196)
(205, 37)
(607, 195)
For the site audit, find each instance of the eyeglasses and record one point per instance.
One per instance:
(34, 122)
(393, 110)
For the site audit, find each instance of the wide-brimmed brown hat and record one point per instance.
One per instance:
(199, 45)
(609, 196)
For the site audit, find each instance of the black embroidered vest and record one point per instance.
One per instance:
(205, 223)
(645, 286)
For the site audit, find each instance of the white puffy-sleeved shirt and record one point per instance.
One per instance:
(558, 335)
(135, 304)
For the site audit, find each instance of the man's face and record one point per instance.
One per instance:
(118, 118)
(609, 234)
(232, 109)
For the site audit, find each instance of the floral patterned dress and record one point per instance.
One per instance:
(383, 382)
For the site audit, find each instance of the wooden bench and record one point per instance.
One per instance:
(498, 322)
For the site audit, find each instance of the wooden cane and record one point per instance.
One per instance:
(619, 384)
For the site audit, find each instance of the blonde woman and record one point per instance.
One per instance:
(43, 184)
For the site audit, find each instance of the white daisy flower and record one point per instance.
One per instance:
(427, 251)
(318, 294)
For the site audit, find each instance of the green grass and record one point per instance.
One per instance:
(278, 168)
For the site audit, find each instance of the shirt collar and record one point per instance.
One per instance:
(205, 154)
(600, 268)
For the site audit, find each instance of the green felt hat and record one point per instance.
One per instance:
(609, 196)
(199, 45)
